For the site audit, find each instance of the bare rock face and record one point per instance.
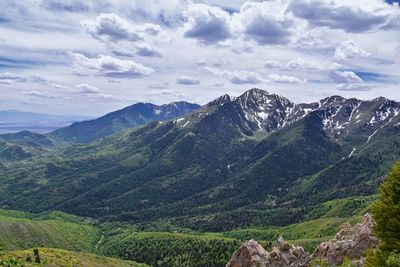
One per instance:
(252, 254)
(350, 242)
(248, 255)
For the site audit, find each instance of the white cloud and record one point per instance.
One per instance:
(9, 78)
(140, 49)
(265, 22)
(85, 88)
(311, 39)
(245, 77)
(238, 77)
(74, 6)
(145, 50)
(249, 77)
(163, 85)
(353, 87)
(344, 76)
(273, 64)
(295, 64)
(39, 37)
(165, 92)
(187, 80)
(112, 28)
(348, 50)
(109, 67)
(351, 16)
(301, 64)
(284, 78)
(207, 24)
(41, 94)
(202, 62)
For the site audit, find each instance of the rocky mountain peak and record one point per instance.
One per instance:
(331, 100)
(220, 100)
(253, 99)
(267, 112)
(257, 110)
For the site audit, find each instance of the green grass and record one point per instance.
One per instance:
(307, 234)
(342, 208)
(63, 258)
(20, 230)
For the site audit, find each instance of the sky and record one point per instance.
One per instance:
(90, 57)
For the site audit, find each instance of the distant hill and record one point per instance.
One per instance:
(26, 144)
(129, 117)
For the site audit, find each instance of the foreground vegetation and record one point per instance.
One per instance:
(160, 244)
(386, 211)
(61, 258)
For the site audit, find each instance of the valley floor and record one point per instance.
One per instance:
(64, 240)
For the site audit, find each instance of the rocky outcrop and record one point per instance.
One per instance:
(252, 254)
(350, 242)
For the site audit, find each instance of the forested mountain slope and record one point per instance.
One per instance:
(258, 158)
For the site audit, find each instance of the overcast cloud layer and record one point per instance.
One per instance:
(89, 57)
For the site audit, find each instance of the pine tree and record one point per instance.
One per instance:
(386, 212)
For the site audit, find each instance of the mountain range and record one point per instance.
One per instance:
(26, 144)
(253, 160)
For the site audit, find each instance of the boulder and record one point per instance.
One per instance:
(252, 254)
(350, 242)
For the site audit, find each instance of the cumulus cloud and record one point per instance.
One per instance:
(85, 88)
(245, 77)
(10, 78)
(348, 50)
(186, 80)
(249, 77)
(265, 22)
(109, 67)
(74, 6)
(208, 24)
(238, 77)
(146, 50)
(165, 92)
(344, 76)
(353, 87)
(202, 62)
(273, 64)
(42, 94)
(140, 49)
(313, 39)
(284, 78)
(295, 64)
(350, 16)
(112, 28)
(298, 64)
(163, 85)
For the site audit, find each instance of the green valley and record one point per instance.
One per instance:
(64, 238)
